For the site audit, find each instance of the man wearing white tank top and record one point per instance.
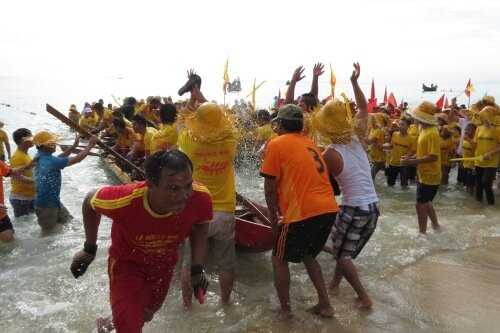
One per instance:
(347, 161)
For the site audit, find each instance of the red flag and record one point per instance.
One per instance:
(371, 105)
(372, 95)
(440, 102)
(385, 96)
(392, 100)
(446, 105)
(281, 101)
(469, 88)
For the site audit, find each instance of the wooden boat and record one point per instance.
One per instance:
(431, 88)
(252, 234)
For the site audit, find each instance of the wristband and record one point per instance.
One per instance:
(197, 269)
(90, 248)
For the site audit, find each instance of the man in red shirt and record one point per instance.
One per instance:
(150, 220)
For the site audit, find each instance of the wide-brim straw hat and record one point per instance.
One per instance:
(45, 138)
(333, 122)
(73, 108)
(489, 115)
(209, 123)
(382, 119)
(425, 113)
(444, 117)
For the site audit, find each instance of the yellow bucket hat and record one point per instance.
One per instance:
(45, 138)
(425, 113)
(210, 123)
(334, 122)
(488, 115)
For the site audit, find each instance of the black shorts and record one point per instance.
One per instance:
(5, 224)
(304, 238)
(426, 193)
(470, 177)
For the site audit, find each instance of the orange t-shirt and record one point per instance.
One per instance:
(304, 188)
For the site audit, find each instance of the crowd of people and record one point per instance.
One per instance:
(309, 152)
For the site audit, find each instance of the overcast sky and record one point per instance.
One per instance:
(393, 40)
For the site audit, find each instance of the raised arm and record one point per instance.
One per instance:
(81, 155)
(296, 77)
(317, 71)
(362, 114)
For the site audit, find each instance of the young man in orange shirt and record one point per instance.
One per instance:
(296, 183)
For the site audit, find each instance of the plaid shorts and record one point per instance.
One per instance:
(352, 229)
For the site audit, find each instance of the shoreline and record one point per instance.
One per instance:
(449, 291)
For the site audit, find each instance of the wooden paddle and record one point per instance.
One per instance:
(478, 158)
(86, 134)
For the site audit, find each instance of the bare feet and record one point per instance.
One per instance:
(104, 324)
(364, 303)
(436, 227)
(322, 310)
(284, 315)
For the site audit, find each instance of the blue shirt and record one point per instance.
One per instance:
(48, 179)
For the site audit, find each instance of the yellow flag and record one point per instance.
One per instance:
(253, 93)
(333, 81)
(225, 77)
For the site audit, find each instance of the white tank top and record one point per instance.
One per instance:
(355, 180)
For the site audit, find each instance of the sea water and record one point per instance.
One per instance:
(39, 294)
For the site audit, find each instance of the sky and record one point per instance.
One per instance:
(403, 41)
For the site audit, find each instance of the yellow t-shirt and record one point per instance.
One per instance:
(429, 144)
(467, 152)
(88, 122)
(146, 111)
(447, 147)
(213, 167)
(487, 139)
(147, 138)
(165, 138)
(107, 117)
(126, 140)
(376, 154)
(265, 133)
(413, 131)
(20, 159)
(4, 138)
(401, 146)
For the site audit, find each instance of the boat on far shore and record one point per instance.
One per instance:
(432, 87)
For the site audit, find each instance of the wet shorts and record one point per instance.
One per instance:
(22, 207)
(5, 224)
(352, 229)
(220, 242)
(304, 238)
(426, 193)
(48, 218)
(135, 288)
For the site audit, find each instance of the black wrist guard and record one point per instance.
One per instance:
(90, 248)
(196, 269)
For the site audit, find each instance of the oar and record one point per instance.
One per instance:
(478, 158)
(86, 134)
(253, 208)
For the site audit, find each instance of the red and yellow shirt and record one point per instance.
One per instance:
(140, 235)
